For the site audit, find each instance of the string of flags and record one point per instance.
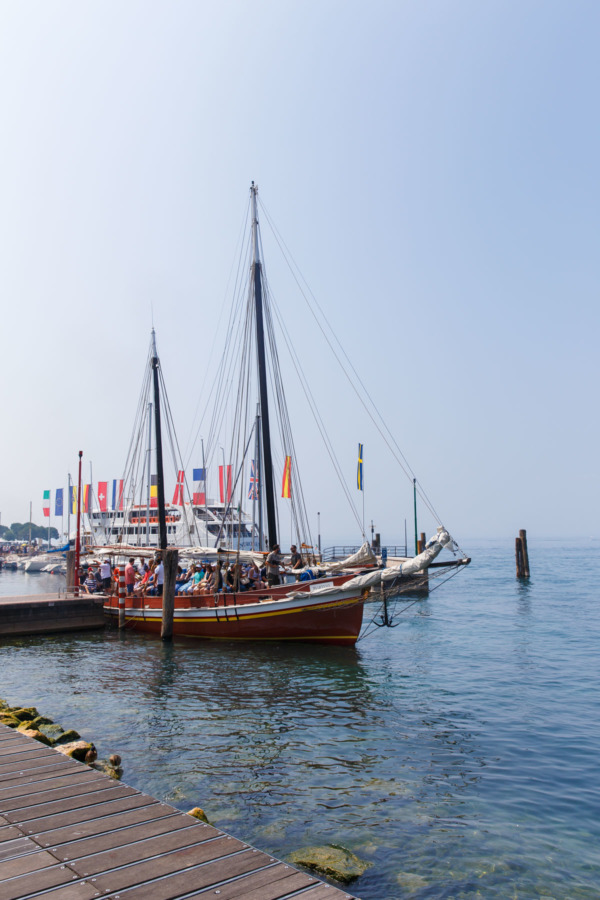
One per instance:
(115, 491)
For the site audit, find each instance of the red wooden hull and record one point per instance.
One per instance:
(334, 618)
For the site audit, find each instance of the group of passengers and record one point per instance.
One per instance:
(147, 578)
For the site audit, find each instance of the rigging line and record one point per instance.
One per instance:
(239, 243)
(223, 386)
(176, 454)
(403, 462)
(316, 415)
(299, 514)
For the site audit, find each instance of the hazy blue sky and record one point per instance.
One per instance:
(433, 167)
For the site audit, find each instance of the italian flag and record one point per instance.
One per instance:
(47, 504)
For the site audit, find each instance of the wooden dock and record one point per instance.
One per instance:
(69, 832)
(50, 613)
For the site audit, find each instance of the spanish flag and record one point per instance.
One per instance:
(286, 487)
(359, 471)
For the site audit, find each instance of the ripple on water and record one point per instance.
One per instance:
(458, 752)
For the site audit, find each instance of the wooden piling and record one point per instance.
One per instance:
(421, 542)
(519, 557)
(70, 570)
(122, 593)
(170, 560)
(523, 537)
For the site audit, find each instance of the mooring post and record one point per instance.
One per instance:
(70, 570)
(170, 559)
(122, 597)
(523, 536)
(421, 542)
(519, 557)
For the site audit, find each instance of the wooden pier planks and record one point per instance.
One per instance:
(69, 832)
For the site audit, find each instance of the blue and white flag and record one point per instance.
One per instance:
(58, 502)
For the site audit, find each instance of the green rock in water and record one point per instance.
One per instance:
(75, 749)
(24, 714)
(41, 720)
(10, 721)
(67, 737)
(333, 861)
(53, 731)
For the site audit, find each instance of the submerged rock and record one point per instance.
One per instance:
(331, 860)
(75, 749)
(67, 737)
(53, 731)
(411, 882)
(198, 813)
(41, 720)
(104, 766)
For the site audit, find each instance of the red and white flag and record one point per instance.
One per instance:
(103, 496)
(178, 495)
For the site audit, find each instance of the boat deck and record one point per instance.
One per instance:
(69, 832)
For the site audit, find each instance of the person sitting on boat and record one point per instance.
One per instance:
(89, 585)
(256, 583)
(143, 567)
(274, 560)
(142, 585)
(98, 578)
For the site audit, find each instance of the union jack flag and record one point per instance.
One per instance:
(253, 487)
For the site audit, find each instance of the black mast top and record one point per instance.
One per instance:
(262, 378)
(160, 481)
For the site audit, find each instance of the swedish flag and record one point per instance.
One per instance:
(359, 471)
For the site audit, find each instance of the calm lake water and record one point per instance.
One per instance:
(458, 753)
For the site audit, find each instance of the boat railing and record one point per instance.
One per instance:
(334, 554)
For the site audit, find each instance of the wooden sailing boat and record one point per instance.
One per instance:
(324, 610)
(327, 609)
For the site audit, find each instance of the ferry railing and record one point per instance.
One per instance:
(335, 554)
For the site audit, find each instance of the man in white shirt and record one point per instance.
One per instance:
(159, 573)
(105, 575)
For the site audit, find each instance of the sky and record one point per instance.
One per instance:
(432, 167)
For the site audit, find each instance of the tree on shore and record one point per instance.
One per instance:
(19, 531)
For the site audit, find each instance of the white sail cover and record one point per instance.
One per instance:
(416, 564)
(364, 556)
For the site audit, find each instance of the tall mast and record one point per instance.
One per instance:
(262, 378)
(149, 480)
(160, 484)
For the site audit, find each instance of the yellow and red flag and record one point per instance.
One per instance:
(86, 498)
(286, 487)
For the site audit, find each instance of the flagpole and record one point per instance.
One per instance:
(69, 502)
(415, 505)
(78, 540)
(205, 489)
